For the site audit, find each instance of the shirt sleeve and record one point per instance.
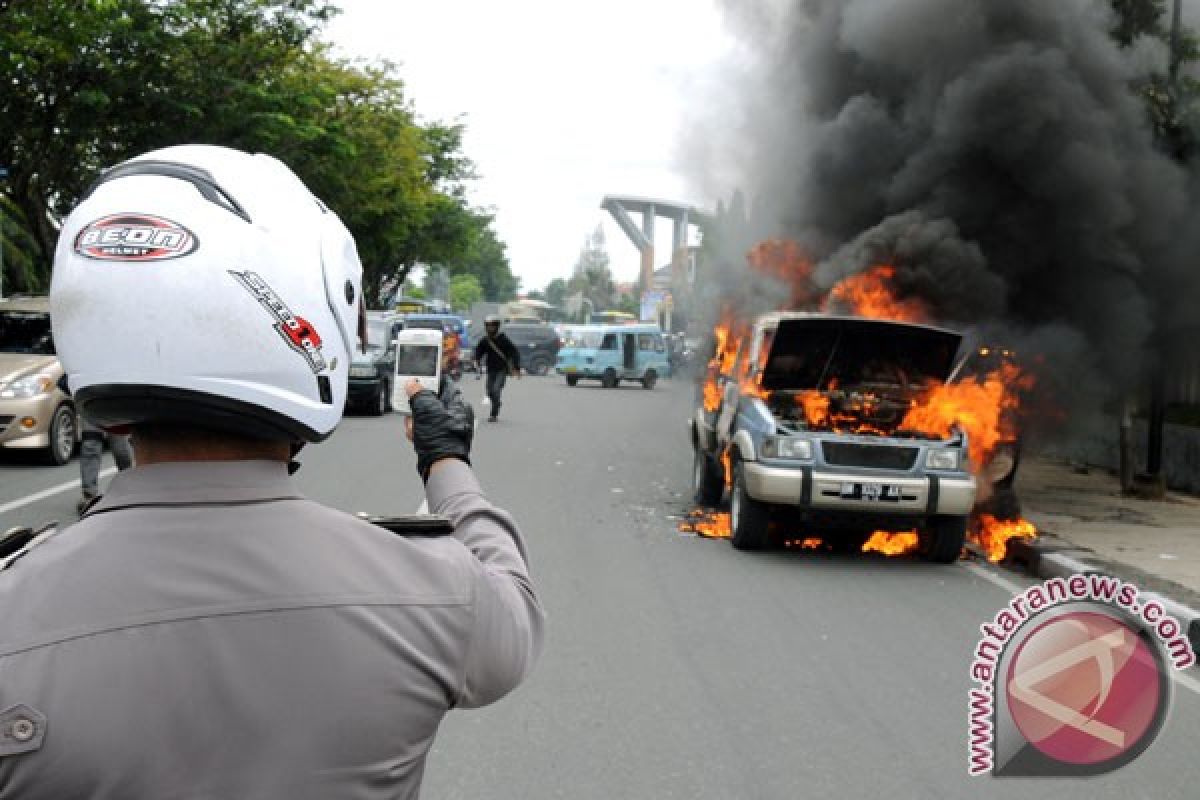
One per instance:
(508, 621)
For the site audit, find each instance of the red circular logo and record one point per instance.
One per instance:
(1085, 688)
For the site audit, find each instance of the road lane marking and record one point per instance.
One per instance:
(1184, 679)
(53, 490)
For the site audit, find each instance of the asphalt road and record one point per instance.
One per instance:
(675, 666)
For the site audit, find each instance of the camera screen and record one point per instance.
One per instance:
(417, 359)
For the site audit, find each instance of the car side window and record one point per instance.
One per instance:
(645, 341)
(610, 342)
(659, 345)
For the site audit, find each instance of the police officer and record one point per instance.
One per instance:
(205, 630)
(500, 357)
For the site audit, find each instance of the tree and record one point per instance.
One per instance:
(465, 291)
(486, 258)
(591, 274)
(556, 292)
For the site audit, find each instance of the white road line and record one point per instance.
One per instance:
(1184, 679)
(992, 577)
(53, 490)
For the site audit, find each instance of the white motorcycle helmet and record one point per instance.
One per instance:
(207, 287)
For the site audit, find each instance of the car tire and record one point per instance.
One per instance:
(1004, 504)
(708, 480)
(609, 380)
(387, 391)
(944, 538)
(649, 379)
(64, 436)
(749, 520)
(572, 380)
(379, 402)
(539, 366)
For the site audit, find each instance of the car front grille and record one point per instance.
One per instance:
(5, 421)
(847, 454)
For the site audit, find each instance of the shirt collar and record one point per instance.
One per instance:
(191, 482)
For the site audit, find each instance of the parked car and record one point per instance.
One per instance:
(780, 426)
(372, 373)
(538, 345)
(35, 413)
(613, 353)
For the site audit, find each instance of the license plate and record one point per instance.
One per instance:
(871, 492)
(570, 369)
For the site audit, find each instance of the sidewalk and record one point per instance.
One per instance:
(1082, 518)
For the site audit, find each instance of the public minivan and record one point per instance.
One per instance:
(614, 353)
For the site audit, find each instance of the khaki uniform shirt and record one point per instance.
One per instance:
(206, 632)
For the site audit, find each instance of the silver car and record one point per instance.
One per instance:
(35, 414)
(807, 427)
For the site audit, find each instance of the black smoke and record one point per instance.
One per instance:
(996, 152)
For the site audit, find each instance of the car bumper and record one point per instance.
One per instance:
(820, 489)
(18, 436)
(363, 388)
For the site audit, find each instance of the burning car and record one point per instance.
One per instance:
(811, 420)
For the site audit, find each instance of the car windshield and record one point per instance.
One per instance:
(26, 332)
(424, 324)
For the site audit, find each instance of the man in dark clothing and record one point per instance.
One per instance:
(500, 357)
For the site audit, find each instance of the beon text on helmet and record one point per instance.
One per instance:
(208, 287)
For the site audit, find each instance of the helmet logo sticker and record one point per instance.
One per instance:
(297, 332)
(134, 237)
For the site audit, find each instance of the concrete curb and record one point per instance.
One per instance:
(1047, 561)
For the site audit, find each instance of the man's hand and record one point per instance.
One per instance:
(440, 427)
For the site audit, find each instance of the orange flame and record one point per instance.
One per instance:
(868, 294)
(891, 544)
(993, 535)
(783, 260)
(980, 406)
(710, 524)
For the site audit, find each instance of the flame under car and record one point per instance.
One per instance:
(810, 430)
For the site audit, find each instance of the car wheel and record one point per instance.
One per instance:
(380, 401)
(944, 538)
(609, 380)
(539, 366)
(1003, 504)
(649, 379)
(749, 519)
(708, 482)
(387, 393)
(63, 435)
(572, 380)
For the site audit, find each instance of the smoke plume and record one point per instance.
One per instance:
(997, 154)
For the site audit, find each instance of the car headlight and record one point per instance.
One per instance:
(362, 371)
(942, 459)
(787, 447)
(29, 386)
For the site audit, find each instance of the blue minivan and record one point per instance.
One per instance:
(613, 353)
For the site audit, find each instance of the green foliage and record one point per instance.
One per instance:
(1134, 18)
(556, 292)
(486, 259)
(465, 291)
(89, 84)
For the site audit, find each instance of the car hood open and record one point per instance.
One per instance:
(822, 352)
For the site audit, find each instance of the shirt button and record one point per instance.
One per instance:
(23, 729)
